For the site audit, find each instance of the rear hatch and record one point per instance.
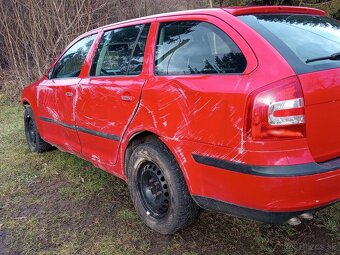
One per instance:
(322, 106)
(311, 45)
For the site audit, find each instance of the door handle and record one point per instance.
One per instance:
(68, 94)
(127, 98)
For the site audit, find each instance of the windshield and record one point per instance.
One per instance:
(300, 37)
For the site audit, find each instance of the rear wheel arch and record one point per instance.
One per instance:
(136, 139)
(148, 136)
(158, 188)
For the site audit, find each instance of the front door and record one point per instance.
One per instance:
(109, 97)
(57, 95)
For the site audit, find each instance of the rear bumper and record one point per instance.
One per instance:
(270, 171)
(272, 191)
(258, 215)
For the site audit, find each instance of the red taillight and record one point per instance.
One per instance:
(276, 111)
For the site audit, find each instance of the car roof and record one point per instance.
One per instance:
(167, 14)
(233, 10)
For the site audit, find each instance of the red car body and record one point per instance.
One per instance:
(204, 121)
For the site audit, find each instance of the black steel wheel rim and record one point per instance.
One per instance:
(31, 131)
(153, 189)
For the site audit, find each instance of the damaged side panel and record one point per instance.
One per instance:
(103, 110)
(56, 112)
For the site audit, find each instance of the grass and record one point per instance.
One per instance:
(55, 203)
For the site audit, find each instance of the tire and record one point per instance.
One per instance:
(34, 140)
(158, 189)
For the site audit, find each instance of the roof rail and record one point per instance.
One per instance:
(236, 11)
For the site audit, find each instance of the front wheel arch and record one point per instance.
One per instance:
(26, 104)
(34, 140)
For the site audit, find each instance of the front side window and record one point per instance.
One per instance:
(121, 52)
(70, 64)
(194, 47)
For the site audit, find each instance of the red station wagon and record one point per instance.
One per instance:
(231, 109)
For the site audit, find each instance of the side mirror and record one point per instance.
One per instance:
(49, 75)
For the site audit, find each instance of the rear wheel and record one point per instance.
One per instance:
(34, 140)
(158, 189)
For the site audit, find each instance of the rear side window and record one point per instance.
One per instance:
(70, 64)
(194, 47)
(300, 38)
(121, 52)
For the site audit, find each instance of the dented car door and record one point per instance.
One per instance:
(108, 98)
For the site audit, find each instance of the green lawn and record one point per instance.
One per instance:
(55, 203)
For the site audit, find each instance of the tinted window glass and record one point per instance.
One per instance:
(300, 37)
(193, 47)
(115, 50)
(70, 64)
(136, 62)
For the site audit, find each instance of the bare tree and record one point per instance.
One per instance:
(34, 32)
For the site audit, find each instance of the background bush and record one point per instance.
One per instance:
(34, 32)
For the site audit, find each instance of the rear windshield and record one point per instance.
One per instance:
(299, 38)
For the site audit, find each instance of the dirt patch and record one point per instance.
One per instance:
(96, 217)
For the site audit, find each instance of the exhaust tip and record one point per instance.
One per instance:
(306, 216)
(294, 221)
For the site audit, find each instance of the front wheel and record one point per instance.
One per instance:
(34, 140)
(158, 189)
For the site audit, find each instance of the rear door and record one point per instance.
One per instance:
(108, 98)
(57, 95)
